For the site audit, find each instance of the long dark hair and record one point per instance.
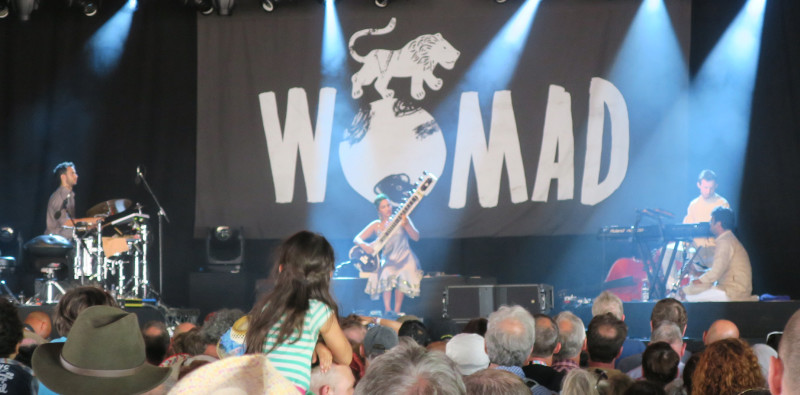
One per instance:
(302, 271)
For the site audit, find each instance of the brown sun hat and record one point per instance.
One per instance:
(104, 354)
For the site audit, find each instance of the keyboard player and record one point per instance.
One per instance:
(700, 209)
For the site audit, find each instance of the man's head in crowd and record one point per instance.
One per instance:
(416, 330)
(377, 341)
(338, 380)
(156, 341)
(183, 327)
(353, 329)
(720, 329)
(571, 335)
(607, 302)
(40, 322)
(410, 369)
(218, 323)
(604, 338)
(671, 310)
(546, 343)
(660, 363)
(190, 342)
(669, 333)
(495, 382)
(784, 371)
(510, 336)
(75, 301)
(10, 329)
(476, 325)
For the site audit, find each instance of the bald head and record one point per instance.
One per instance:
(784, 371)
(40, 322)
(183, 327)
(720, 329)
(338, 380)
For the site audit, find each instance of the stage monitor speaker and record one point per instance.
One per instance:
(465, 302)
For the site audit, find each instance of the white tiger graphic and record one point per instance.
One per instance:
(417, 59)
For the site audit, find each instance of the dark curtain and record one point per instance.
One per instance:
(60, 103)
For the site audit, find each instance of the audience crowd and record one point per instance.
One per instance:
(98, 348)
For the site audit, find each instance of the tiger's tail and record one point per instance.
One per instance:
(369, 32)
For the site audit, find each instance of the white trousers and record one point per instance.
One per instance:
(712, 294)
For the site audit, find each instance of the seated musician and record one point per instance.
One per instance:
(730, 277)
(62, 201)
(700, 211)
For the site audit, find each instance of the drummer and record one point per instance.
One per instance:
(61, 206)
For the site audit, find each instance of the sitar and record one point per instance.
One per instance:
(369, 262)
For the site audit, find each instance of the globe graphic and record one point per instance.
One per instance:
(394, 143)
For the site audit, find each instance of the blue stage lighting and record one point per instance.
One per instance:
(721, 96)
(502, 53)
(106, 45)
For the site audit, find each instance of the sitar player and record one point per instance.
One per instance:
(399, 268)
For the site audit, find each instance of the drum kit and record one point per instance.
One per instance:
(111, 248)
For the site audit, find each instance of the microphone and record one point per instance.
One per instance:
(655, 213)
(138, 179)
(57, 215)
(663, 213)
(646, 212)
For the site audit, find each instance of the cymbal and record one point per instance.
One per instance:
(109, 207)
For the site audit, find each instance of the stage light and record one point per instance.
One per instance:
(225, 248)
(225, 7)
(205, 7)
(3, 8)
(25, 7)
(381, 3)
(89, 7)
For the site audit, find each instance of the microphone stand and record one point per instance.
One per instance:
(162, 215)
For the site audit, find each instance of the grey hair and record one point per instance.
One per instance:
(495, 382)
(219, 323)
(579, 382)
(572, 339)
(546, 336)
(667, 332)
(607, 302)
(410, 369)
(506, 346)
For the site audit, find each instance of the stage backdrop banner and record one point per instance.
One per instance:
(538, 118)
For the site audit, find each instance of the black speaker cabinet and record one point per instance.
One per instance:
(465, 302)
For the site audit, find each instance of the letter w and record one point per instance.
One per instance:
(297, 137)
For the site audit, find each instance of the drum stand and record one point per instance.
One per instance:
(50, 286)
(140, 280)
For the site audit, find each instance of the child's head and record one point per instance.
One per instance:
(302, 271)
(306, 260)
